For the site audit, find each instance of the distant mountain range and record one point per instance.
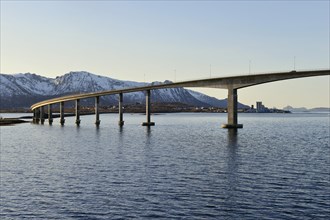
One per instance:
(303, 109)
(22, 90)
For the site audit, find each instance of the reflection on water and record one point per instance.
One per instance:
(121, 129)
(231, 169)
(232, 137)
(148, 131)
(186, 167)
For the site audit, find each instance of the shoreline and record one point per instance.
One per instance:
(28, 119)
(11, 121)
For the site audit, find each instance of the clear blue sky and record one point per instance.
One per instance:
(137, 40)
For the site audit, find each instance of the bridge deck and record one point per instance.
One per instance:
(230, 82)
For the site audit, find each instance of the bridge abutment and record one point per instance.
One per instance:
(121, 110)
(148, 110)
(232, 110)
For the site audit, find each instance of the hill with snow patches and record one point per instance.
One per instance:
(22, 90)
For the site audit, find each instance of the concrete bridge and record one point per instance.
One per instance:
(232, 84)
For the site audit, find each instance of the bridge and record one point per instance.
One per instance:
(231, 83)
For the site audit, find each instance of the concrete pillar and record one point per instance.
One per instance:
(78, 112)
(232, 106)
(97, 113)
(34, 116)
(232, 110)
(148, 110)
(62, 120)
(50, 114)
(42, 115)
(37, 117)
(120, 107)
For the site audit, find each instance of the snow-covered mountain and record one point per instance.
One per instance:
(25, 84)
(22, 90)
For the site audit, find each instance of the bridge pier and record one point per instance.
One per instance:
(120, 109)
(38, 116)
(62, 120)
(34, 116)
(148, 110)
(232, 110)
(78, 112)
(97, 113)
(42, 115)
(50, 114)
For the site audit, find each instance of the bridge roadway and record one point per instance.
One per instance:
(231, 83)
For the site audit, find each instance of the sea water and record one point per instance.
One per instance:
(185, 167)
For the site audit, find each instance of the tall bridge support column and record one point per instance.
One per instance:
(232, 110)
(78, 112)
(50, 115)
(62, 120)
(37, 117)
(120, 109)
(148, 110)
(34, 118)
(42, 115)
(97, 113)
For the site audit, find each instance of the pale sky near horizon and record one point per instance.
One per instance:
(153, 40)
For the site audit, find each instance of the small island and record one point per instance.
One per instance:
(11, 121)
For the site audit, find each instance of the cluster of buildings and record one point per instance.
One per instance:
(260, 108)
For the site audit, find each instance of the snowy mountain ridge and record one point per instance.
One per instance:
(24, 89)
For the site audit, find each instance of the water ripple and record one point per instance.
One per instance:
(186, 167)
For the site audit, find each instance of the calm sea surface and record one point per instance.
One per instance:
(186, 167)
